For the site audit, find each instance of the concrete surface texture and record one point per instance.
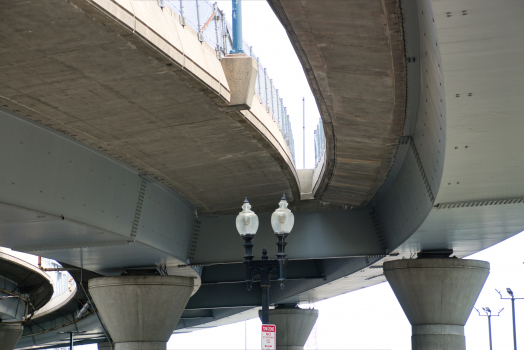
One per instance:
(126, 78)
(9, 335)
(241, 74)
(140, 312)
(293, 326)
(437, 296)
(353, 56)
(104, 346)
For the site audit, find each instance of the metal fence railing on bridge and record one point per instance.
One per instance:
(320, 142)
(210, 24)
(62, 280)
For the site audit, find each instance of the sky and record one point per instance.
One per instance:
(369, 318)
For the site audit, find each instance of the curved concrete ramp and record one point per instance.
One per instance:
(126, 78)
(353, 56)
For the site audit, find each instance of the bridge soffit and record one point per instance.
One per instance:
(174, 49)
(348, 59)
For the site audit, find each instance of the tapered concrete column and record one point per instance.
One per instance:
(293, 326)
(140, 312)
(437, 296)
(104, 346)
(9, 335)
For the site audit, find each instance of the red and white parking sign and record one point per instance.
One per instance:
(269, 334)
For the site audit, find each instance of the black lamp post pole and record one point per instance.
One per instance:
(265, 268)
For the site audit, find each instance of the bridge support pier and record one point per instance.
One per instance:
(293, 326)
(104, 346)
(140, 312)
(9, 335)
(437, 296)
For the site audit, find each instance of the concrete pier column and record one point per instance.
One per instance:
(104, 346)
(9, 335)
(437, 296)
(293, 326)
(140, 312)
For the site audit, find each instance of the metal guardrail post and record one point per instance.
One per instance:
(282, 111)
(182, 18)
(272, 104)
(200, 34)
(216, 12)
(265, 85)
(285, 114)
(259, 81)
(224, 33)
(278, 106)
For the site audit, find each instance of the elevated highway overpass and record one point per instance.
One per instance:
(121, 155)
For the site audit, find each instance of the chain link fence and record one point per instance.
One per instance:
(320, 142)
(210, 23)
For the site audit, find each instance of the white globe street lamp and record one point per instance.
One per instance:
(282, 221)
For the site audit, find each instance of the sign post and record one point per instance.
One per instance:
(269, 335)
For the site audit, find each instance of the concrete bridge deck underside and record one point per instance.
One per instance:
(352, 53)
(79, 69)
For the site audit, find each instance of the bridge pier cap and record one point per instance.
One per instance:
(293, 326)
(140, 312)
(437, 296)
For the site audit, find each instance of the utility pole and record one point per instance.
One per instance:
(489, 315)
(303, 133)
(510, 292)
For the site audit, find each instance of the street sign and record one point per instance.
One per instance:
(269, 335)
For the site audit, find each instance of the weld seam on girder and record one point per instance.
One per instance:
(139, 205)
(409, 140)
(479, 203)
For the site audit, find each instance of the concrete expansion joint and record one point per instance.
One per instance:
(444, 329)
(182, 281)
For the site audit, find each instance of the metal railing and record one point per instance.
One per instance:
(320, 142)
(210, 23)
(61, 279)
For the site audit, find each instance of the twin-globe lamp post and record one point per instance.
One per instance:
(282, 221)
